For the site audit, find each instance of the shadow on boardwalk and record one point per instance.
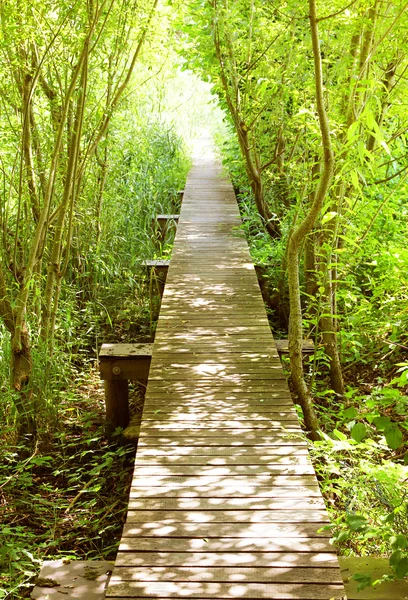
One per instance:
(224, 501)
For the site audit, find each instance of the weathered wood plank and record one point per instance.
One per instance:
(220, 491)
(196, 544)
(125, 350)
(260, 454)
(232, 530)
(190, 459)
(223, 481)
(230, 574)
(215, 503)
(278, 591)
(220, 559)
(221, 347)
(200, 421)
(256, 390)
(224, 403)
(224, 437)
(253, 398)
(224, 470)
(176, 414)
(167, 359)
(228, 516)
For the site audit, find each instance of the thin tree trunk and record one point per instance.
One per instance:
(248, 150)
(255, 179)
(299, 234)
(54, 274)
(21, 370)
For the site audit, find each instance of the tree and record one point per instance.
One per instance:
(53, 125)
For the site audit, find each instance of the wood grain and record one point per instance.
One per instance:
(224, 502)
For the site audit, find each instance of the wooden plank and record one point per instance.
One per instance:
(225, 470)
(230, 573)
(194, 459)
(84, 579)
(243, 395)
(221, 386)
(221, 442)
(193, 544)
(251, 396)
(228, 516)
(249, 411)
(158, 429)
(278, 591)
(125, 350)
(166, 358)
(211, 504)
(259, 454)
(221, 491)
(222, 347)
(231, 530)
(210, 420)
(228, 373)
(223, 407)
(220, 559)
(217, 435)
(224, 481)
(201, 370)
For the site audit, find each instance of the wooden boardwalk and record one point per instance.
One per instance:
(224, 501)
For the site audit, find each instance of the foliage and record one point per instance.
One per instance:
(67, 498)
(92, 127)
(360, 466)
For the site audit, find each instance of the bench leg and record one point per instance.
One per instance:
(117, 404)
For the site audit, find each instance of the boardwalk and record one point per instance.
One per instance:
(224, 501)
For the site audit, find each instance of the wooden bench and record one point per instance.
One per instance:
(160, 267)
(157, 274)
(119, 363)
(164, 222)
(282, 346)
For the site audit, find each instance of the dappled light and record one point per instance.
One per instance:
(224, 501)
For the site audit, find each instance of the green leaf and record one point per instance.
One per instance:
(363, 580)
(339, 435)
(329, 216)
(381, 422)
(356, 522)
(341, 537)
(393, 436)
(399, 542)
(354, 179)
(385, 146)
(350, 413)
(358, 432)
(395, 558)
(370, 118)
(352, 131)
(401, 569)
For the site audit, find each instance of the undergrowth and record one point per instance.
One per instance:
(66, 497)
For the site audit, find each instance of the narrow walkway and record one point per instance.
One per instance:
(224, 502)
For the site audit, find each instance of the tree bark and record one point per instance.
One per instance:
(299, 234)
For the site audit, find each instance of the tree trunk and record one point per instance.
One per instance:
(295, 342)
(300, 232)
(255, 178)
(21, 369)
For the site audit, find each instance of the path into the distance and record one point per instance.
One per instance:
(224, 501)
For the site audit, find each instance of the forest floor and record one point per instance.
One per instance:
(67, 498)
